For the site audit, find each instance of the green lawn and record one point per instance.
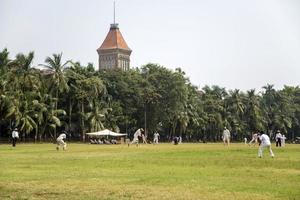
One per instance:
(165, 171)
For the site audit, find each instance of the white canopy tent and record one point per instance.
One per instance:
(106, 132)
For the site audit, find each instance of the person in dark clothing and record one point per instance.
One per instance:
(278, 138)
(176, 140)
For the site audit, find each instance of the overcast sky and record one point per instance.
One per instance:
(240, 44)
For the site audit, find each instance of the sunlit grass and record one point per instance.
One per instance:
(164, 171)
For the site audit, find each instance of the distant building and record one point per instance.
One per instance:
(114, 52)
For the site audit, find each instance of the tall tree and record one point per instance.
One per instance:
(58, 78)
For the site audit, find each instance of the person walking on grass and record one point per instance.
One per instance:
(60, 141)
(278, 137)
(137, 134)
(264, 142)
(155, 138)
(226, 136)
(283, 140)
(15, 137)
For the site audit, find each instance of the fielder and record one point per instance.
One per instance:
(245, 140)
(60, 141)
(264, 143)
(226, 136)
(15, 137)
(155, 138)
(283, 138)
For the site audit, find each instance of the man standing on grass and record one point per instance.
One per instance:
(245, 140)
(226, 136)
(155, 138)
(136, 136)
(60, 141)
(278, 138)
(265, 142)
(283, 140)
(15, 137)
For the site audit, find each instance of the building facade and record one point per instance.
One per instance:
(114, 51)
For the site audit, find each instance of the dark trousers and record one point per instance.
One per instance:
(278, 142)
(14, 142)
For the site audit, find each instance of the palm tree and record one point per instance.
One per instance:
(87, 90)
(96, 117)
(234, 110)
(58, 78)
(254, 113)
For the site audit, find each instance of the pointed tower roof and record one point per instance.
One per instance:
(114, 39)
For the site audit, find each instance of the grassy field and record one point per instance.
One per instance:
(165, 171)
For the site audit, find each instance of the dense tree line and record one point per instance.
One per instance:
(70, 96)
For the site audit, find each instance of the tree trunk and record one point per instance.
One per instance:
(70, 115)
(36, 134)
(23, 136)
(56, 110)
(82, 122)
(145, 116)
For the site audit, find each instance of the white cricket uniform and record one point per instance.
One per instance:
(265, 143)
(15, 134)
(136, 136)
(226, 136)
(245, 141)
(60, 141)
(155, 138)
(283, 138)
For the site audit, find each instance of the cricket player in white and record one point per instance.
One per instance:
(155, 138)
(136, 136)
(60, 141)
(15, 137)
(265, 143)
(283, 138)
(254, 139)
(226, 136)
(245, 141)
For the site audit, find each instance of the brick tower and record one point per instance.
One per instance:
(114, 52)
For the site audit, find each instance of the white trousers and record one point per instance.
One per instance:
(61, 143)
(261, 149)
(155, 141)
(135, 141)
(226, 138)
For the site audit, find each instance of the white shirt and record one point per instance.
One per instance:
(278, 136)
(15, 134)
(226, 133)
(265, 140)
(61, 137)
(156, 135)
(283, 137)
(138, 133)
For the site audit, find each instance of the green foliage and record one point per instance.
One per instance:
(70, 96)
